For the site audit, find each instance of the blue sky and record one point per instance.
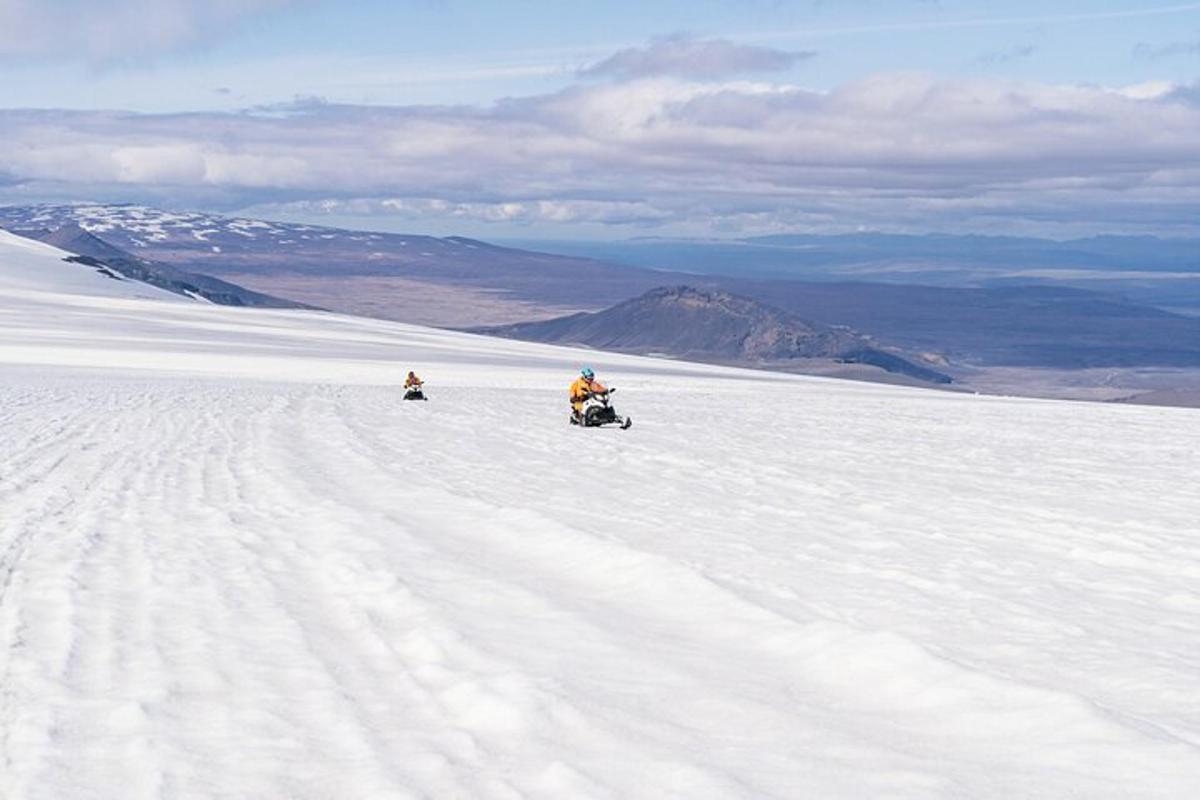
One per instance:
(425, 51)
(828, 115)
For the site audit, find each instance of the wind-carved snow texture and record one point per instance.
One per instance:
(234, 564)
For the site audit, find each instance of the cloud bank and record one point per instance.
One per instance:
(115, 29)
(897, 151)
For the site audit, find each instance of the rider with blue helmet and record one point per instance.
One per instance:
(584, 387)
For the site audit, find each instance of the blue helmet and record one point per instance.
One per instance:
(587, 373)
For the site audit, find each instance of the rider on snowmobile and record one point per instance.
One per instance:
(584, 387)
(412, 381)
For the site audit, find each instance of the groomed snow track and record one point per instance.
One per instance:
(233, 564)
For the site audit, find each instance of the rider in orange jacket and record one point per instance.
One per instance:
(584, 387)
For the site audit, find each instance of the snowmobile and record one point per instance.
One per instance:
(415, 393)
(597, 411)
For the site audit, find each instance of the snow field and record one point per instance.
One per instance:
(234, 564)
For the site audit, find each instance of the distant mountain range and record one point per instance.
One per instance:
(442, 281)
(714, 325)
(807, 257)
(1146, 269)
(458, 282)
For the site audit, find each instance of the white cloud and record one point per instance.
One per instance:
(606, 212)
(115, 29)
(685, 57)
(891, 150)
(1148, 91)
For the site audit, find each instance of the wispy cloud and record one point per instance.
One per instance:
(685, 57)
(1152, 51)
(116, 29)
(983, 22)
(1006, 55)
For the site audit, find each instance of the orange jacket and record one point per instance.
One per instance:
(582, 388)
(411, 381)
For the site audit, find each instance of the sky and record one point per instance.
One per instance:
(616, 119)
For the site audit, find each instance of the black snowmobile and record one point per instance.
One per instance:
(415, 393)
(597, 412)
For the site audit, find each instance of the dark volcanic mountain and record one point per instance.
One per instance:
(1028, 326)
(714, 326)
(92, 250)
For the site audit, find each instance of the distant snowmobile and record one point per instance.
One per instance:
(414, 387)
(597, 411)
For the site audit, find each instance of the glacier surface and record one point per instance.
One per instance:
(233, 564)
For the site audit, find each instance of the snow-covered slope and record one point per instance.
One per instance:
(233, 564)
(30, 266)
